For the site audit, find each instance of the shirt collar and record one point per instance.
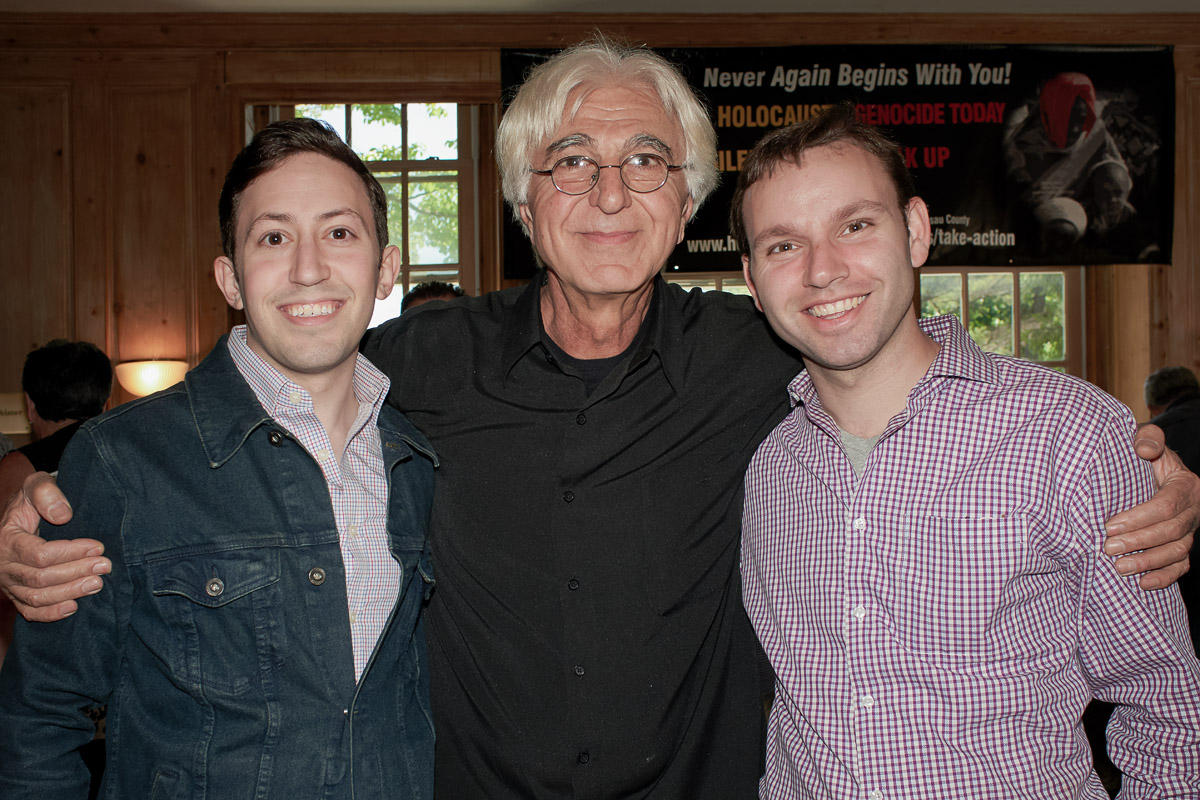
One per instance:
(958, 357)
(523, 329)
(281, 397)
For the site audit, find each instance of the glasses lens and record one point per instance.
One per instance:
(574, 174)
(644, 172)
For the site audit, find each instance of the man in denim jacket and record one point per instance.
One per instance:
(267, 519)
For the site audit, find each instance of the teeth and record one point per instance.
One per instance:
(310, 309)
(840, 307)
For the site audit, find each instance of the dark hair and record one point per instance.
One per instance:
(836, 125)
(272, 146)
(1166, 385)
(67, 380)
(429, 290)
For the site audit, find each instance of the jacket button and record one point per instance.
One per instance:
(275, 438)
(214, 587)
(316, 576)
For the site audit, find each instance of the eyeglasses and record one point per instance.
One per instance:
(641, 172)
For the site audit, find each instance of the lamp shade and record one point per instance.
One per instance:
(141, 378)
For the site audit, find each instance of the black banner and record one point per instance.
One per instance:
(1026, 155)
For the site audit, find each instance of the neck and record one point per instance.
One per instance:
(862, 400)
(43, 428)
(334, 401)
(593, 326)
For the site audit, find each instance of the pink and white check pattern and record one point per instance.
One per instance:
(938, 624)
(357, 485)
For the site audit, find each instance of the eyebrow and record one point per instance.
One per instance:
(845, 212)
(639, 141)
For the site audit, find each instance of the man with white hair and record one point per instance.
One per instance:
(587, 638)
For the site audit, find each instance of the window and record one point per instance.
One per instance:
(731, 282)
(421, 153)
(1044, 324)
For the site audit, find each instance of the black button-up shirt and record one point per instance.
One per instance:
(587, 634)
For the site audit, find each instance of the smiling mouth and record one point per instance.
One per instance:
(311, 309)
(826, 310)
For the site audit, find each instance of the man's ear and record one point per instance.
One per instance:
(687, 217)
(919, 235)
(227, 282)
(750, 281)
(389, 268)
(526, 218)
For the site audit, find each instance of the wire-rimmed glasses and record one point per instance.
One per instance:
(641, 172)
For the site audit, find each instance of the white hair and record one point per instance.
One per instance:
(540, 107)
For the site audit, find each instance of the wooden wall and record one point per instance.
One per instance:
(118, 130)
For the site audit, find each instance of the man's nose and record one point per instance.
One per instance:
(610, 194)
(308, 267)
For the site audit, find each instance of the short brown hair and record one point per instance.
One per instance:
(836, 125)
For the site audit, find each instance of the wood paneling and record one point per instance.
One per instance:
(35, 222)
(120, 249)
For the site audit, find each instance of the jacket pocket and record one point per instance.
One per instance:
(218, 615)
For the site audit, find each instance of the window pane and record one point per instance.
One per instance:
(1043, 334)
(707, 284)
(990, 300)
(941, 294)
(378, 131)
(735, 286)
(334, 114)
(433, 219)
(432, 130)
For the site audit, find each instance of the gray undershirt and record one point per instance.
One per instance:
(857, 449)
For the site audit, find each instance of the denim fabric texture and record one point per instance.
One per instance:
(221, 641)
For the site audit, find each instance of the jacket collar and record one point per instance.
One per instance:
(226, 412)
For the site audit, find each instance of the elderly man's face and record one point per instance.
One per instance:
(610, 240)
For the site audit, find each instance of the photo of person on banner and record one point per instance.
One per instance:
(1076, 158)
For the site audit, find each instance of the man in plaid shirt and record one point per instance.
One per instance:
(922, 543)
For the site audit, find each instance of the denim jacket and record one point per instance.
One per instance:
(221, 640)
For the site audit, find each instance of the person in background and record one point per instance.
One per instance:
(65, 383)
(422, 293)
(1173, 397)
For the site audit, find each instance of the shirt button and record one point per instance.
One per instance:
(322, 454)
(859, 612)
(581, 419)
(214, 587)
(584, 757)
(316, 576)
(352, 531)
(572, 584)
(867, 701)
(875, 795)
(579, 670)
(568, 496)
(294, 397)
(860, 524)
(275, 438)
(353, 618)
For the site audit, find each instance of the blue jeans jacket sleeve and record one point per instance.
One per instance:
(55, 671)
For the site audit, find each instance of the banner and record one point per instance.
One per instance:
(1026, 155)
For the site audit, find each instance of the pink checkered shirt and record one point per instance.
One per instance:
(938, 624)
(357, 485)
